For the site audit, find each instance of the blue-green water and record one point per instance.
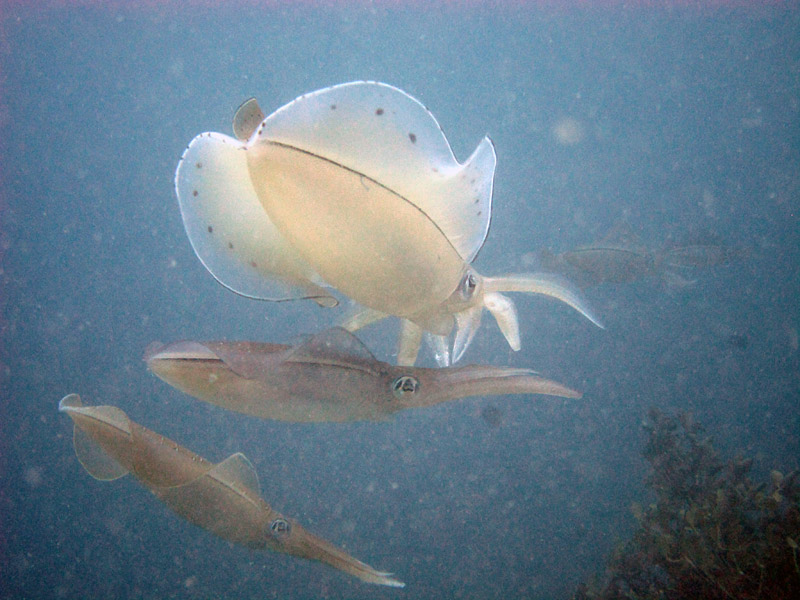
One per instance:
(686, 120)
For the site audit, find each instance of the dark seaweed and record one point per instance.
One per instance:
(712, 532)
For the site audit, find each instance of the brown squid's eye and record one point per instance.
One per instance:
(405, 386)
(280, 528)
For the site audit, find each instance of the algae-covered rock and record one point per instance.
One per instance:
(712, 533)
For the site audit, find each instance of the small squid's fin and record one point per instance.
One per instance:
(216, 499)
(336, 344)
(237, 470)
(97, 462)
(94, 459)
(247, 119)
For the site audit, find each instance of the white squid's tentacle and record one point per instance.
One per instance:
(548, 284)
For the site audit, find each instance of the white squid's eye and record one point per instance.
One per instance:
(468, 286)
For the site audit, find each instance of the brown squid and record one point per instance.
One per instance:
(331, 377)
(223, 498)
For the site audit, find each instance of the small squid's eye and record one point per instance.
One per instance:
(405, 386)
(280, 528)
(468, 285)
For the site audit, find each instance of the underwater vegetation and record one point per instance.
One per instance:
(712, 532)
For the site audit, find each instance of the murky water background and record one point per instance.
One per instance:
(676, 121)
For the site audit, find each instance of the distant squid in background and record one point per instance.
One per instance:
(620, 256)
(700, 250)
(223, 498)
(330, 377)
(355, 187)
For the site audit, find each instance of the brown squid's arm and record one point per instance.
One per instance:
(483, 380)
